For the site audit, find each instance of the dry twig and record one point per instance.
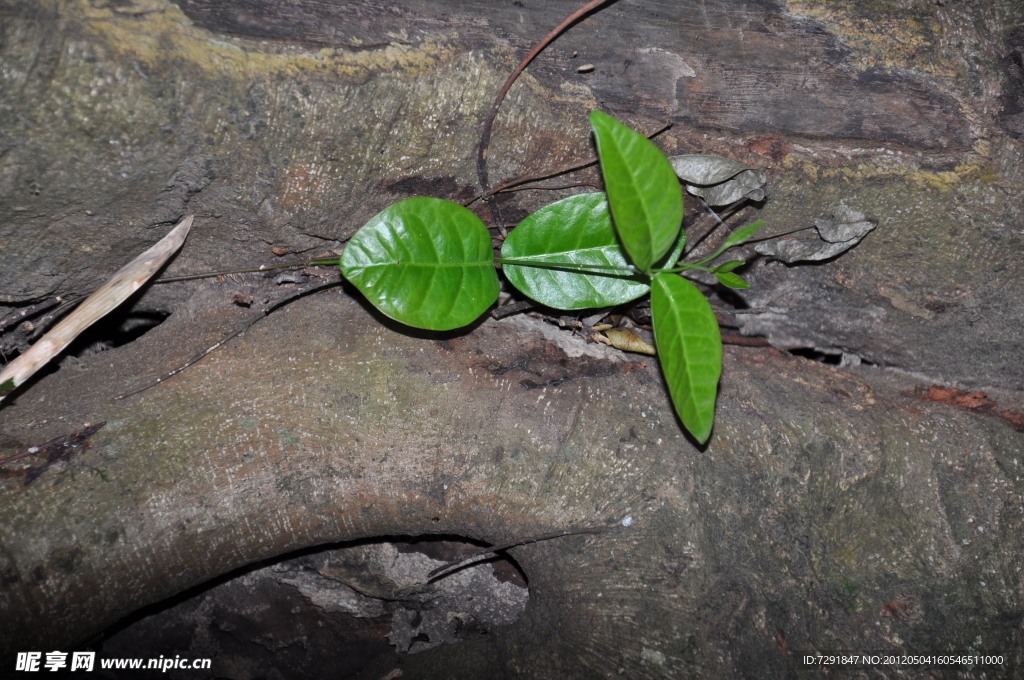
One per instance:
(485, 138)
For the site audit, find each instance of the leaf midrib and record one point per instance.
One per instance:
(437, 265)
(689, 361)
(676, 312)
(546, 257)
(640, 196)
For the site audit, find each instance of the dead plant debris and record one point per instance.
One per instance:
(58, 450)
(978, 402)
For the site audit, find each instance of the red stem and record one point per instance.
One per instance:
(485, 138)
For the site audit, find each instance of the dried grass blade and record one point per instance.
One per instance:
(111, 294)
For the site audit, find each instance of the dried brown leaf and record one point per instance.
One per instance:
(628, 341)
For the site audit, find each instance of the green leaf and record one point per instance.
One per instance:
(672, 258)
(646, 198)
(731, 280)
(689, 348)
(729, 266)
(735, 238)
(425, 262)
(7, 386)
(574, 230)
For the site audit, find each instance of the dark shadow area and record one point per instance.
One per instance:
(115, 330)
(815, 355)
(118, 328)
(326, 611)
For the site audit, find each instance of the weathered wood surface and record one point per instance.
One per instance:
(820, 499)
(304, 119)
(823, 495)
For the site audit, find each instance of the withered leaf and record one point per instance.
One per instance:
(628, 341)
(837, 235)
(719, 180)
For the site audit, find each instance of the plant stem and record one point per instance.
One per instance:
(261, 268)
(729, 211)
(487, 553)
(508, 185)
(311, 288)
(680, 268)
(485, 138)
(785, 233)
(555, 188)
(568, 266)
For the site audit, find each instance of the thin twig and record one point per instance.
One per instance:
(745, 340)
(261, 268)
(513, 308)
(785, 233)
(487, 553)
(722, 310)
(560, 186)
(485, 138)
(48, 320)
(188, 363)
(507, 185)
(713, 221)
(18, 317)
(708, 208)
(616, 270)
(233, 334)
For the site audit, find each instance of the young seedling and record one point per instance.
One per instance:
(427, 262)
